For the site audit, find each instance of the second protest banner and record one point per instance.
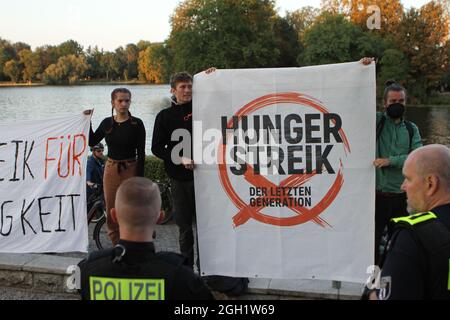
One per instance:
(43, 185)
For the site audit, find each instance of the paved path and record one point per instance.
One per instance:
(166, 240)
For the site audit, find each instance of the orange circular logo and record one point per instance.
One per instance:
(301, 213)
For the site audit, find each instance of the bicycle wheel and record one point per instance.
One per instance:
(166, 203)
(101, 235)
(98, 215)
(168, 216)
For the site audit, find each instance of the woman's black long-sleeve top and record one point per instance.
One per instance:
(125, 141)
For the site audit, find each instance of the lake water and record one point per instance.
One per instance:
(433, 123)
(19, 104)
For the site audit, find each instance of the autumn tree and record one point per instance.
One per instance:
(131, 58)
(332, 7)
(302, 19)
(153, 64)
(70, 47)
(19, 46)
(142, 45)
(47, 55)
(13, 69)
(333, 39)
(94, 60)
(446, 78)
(7, 53)
(68, 70)
(421, 36)
(223, 33)
(287, 42)
(360, 11)
(394, 66)
(106, 64)
(119, 63)
(31, 64)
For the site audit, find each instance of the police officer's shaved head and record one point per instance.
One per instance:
(138, 203)
(427, 178)
(434, 160)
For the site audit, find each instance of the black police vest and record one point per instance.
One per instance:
(433, 240)
(154, 279)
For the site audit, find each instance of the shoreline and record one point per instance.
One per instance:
(429, 105)
(445, 95)
(87, 83)
(21, 85)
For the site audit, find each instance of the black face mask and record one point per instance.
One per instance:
(395, 110)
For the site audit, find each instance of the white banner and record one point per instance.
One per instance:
(43, 185)
(285, 186)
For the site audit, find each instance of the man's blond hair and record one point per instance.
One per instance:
(138, 203)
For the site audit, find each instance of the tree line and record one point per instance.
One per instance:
(411, 46)
(68, 62)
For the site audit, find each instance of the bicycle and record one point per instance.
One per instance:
(97, 215)
(166, 202)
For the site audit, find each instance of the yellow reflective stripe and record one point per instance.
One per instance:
(126, 289)
(448, 275)
(416, 218)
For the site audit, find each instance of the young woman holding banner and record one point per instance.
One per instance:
(125, 137)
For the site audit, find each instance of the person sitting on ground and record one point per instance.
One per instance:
(133, 270)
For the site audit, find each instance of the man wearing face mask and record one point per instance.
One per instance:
(396, 138)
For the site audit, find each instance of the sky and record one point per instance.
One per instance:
(106, 23)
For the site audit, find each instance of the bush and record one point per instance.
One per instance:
(154, 170)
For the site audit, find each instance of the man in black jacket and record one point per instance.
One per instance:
(417, 264)
(132, 270)
(172, 142)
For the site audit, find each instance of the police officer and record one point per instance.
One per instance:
(132, 270)
(418, 255)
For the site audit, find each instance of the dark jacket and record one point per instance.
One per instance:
(139, 274)
(166, 122)
(94, 173)
(406, 270)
